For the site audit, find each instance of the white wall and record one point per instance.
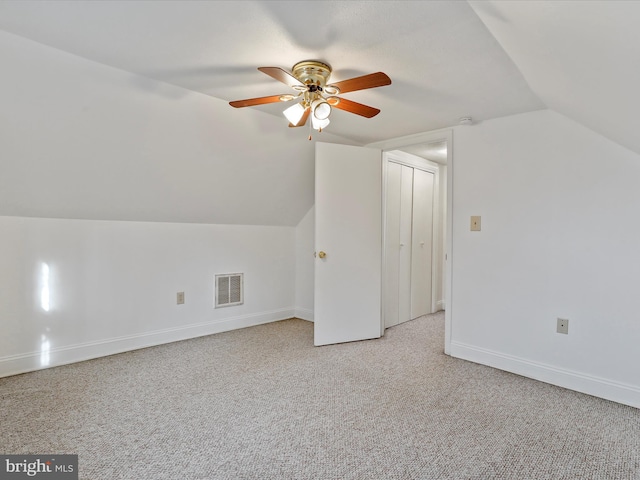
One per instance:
(305, 264)
(111, 286)
(79, 139)
(559, 206)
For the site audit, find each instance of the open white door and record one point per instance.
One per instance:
(348, 278)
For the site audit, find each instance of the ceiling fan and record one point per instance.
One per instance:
(316, 96)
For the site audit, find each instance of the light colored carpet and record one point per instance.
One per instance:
(263, 403)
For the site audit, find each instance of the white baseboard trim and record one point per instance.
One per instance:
(28, 362)
(304, 314)
(580, 382)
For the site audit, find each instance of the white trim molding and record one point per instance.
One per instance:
(28, 362)
(304, 314)
(580, 382)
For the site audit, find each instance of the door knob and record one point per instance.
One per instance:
(321, 254)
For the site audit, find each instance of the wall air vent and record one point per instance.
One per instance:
(229, 290)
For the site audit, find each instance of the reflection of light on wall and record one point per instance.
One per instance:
(44, 290)
(45, 347)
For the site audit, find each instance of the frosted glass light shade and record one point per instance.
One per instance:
(319, 124)
(294, 113)
(321, 109)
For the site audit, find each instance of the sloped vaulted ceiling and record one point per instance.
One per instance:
(118, 110)
(579, 57)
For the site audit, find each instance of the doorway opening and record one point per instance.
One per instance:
(414, 212)
(344, 310)
(433, 149)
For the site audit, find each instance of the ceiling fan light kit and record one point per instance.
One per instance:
(319, 124)
(294, 113)
(309, 79)
(320, 108)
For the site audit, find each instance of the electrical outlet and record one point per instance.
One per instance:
(563, 326)
(180, 298)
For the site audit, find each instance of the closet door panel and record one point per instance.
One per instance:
(392, 244)
(405, 264)
(422, 243)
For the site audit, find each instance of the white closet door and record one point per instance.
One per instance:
(405, 267)
(399, 208)
(392, 244)
(422, 243)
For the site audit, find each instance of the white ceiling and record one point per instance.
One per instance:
(443, 62)
(579, 57)
(436, 151)
(446, 59)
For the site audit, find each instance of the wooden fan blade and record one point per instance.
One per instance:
(250, 102)
(372, 80)
(353, 107)
(282, 76)
(302, 120)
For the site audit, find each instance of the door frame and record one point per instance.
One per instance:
(422, 138)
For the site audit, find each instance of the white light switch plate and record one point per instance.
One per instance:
(563, 326)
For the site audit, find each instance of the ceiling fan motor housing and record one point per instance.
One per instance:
(311, 72)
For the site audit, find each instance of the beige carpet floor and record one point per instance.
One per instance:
(263, 403)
